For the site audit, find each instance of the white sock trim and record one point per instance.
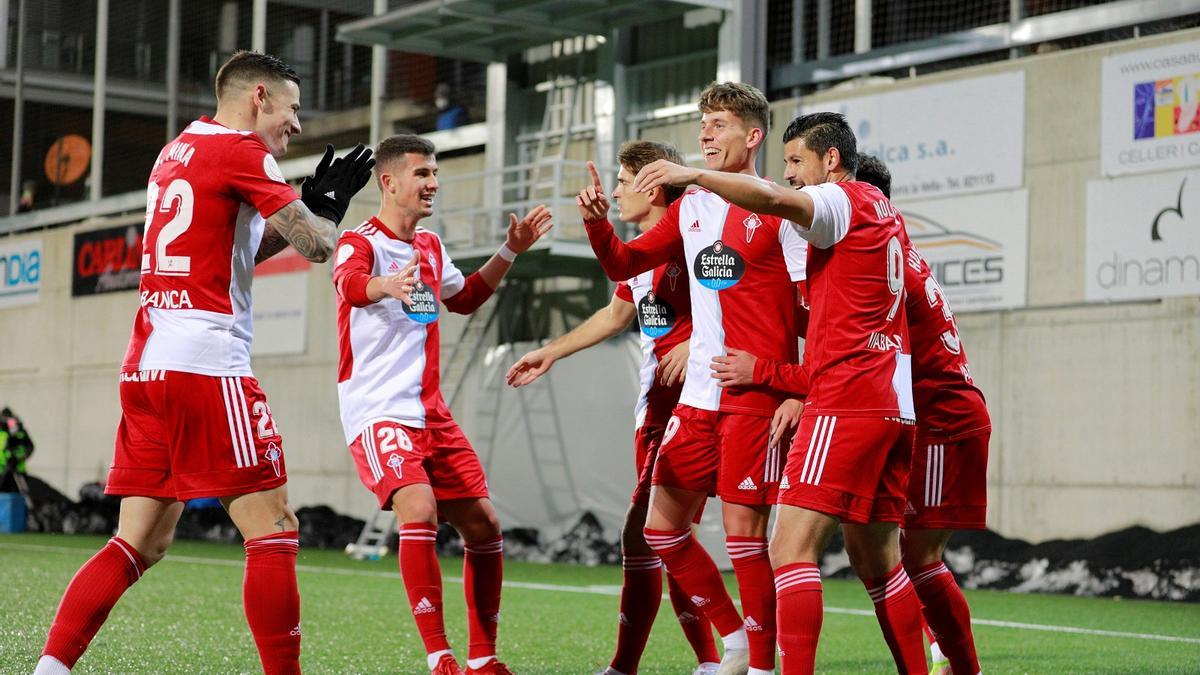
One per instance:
(760, 671)
(48, 665)
(481, 661)
(433, 658)
(736, 640)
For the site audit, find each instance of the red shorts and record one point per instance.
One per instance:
(852, 468)
(948, 486)
(389, 456)
(184, 435)
(646, 441)
(723, 454)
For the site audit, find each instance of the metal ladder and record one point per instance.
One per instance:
(558, 119)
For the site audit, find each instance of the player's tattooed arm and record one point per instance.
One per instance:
(312, 236)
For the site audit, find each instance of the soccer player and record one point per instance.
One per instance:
(390, 275)
(659, 299)
(947, 488)
(952, 419)
(851, 456)
(194, 422)
(743, 266)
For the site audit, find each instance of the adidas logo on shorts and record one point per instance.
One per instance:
(785, 484)
(424, 607)
(624, 620)
(747, 484)
(753, 626)
(699, 601)
(908, 508)
(687, 617)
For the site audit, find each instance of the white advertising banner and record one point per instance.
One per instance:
(1150, 110)
(281, 305)
(20, 273)
(977, 246)
(939, 139)
(1143, 236)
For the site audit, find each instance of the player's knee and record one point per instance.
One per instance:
(484, 527)
(288, 520)
(155, 549)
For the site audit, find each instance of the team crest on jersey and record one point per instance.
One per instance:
(656, 317)
(273, 455)
(673, 272)
(395, 462)
(424, 307)
(719, 267)
(752, 223)
(433, 263)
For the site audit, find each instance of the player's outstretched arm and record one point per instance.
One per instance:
(605, 323)
(310, 224)
(312, 236)
(483, 282)
(399, 285)
(618, 259)
(749, 192)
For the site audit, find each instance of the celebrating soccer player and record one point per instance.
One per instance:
(947, 488)
(743, 267)
(390, 277)
(194, 422)
(659, 299)
(854, 444)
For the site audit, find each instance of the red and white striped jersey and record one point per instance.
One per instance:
(857, 350)
(210, 191)
(388, 352)
(742, 269)
(948, 402)
(664, 312)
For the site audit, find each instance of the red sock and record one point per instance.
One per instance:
(423, 582)
(799, 612)
(89, 598)
(641, 595)
(697, 574)
(483, 573)
(272, 600)
(946, 610)
(757, 590)
(694, 623)
(899, 614)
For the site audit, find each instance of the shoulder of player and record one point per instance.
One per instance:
(427, 235)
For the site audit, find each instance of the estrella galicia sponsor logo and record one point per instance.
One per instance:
(424, 307)
(719, 267)
(656, 316)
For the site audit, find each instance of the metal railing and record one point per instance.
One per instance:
(465, 223)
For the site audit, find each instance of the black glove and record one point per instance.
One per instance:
(328, 192)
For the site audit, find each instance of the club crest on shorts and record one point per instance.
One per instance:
(718, 266)
(273, 455)
(395, 462)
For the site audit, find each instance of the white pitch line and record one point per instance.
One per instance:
(614, 591)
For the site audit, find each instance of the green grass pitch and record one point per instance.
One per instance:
(185, 616)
